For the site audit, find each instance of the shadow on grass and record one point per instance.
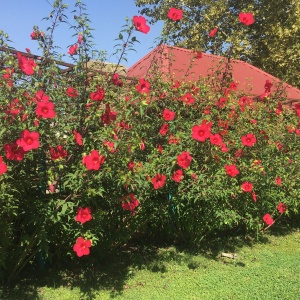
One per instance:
(112, 273)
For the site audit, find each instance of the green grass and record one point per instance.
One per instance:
(269, 269)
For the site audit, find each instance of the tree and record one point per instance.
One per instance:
(272, 43)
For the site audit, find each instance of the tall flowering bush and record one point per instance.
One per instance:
(89, 159)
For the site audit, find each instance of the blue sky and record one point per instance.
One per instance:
(17, 19)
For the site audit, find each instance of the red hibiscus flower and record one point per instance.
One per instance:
(116, 81)
(140, 24)
(29, 140)
(110, 146)
(268, 219)
(142, 145)
(129, 202)
(175, 14)
(15, 107)
(34, 35)
(176, 85)
(164, 129)
(143, 87)
(246, 18)
(254, 197)
(160, 148)
(40, 96)
(184, 159)
(14, 152)
(238, 153)
(221, 102)
(45, 110)
(231, 170)
(248, 140)
(109, 115)
(159, 181)
(201, 132)
(224, 148)
(71, 92)
(78, 138)
(278, 180)
(83, 215)
(27, 65)
(58, 152)
(3, 166)
(130, 165)
(177, 175)
(73, 49)
(245, 101)
(187, 99)
(198, 55)
(82, 247)
(279, 108)
(213, 32)
(247, 187)
(216, 139)
(173, 140)
(93, 161)
(98, 95)
(281, 207)
(8, 75)
(79, 38)
(168, 115)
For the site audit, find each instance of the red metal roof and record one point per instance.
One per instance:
(178, 62)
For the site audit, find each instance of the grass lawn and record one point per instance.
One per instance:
(269, 269)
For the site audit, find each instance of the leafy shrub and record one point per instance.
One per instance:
(93, 159)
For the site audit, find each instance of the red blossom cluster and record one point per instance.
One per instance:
(201, 132)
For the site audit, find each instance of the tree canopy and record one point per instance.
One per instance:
(271, 43)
